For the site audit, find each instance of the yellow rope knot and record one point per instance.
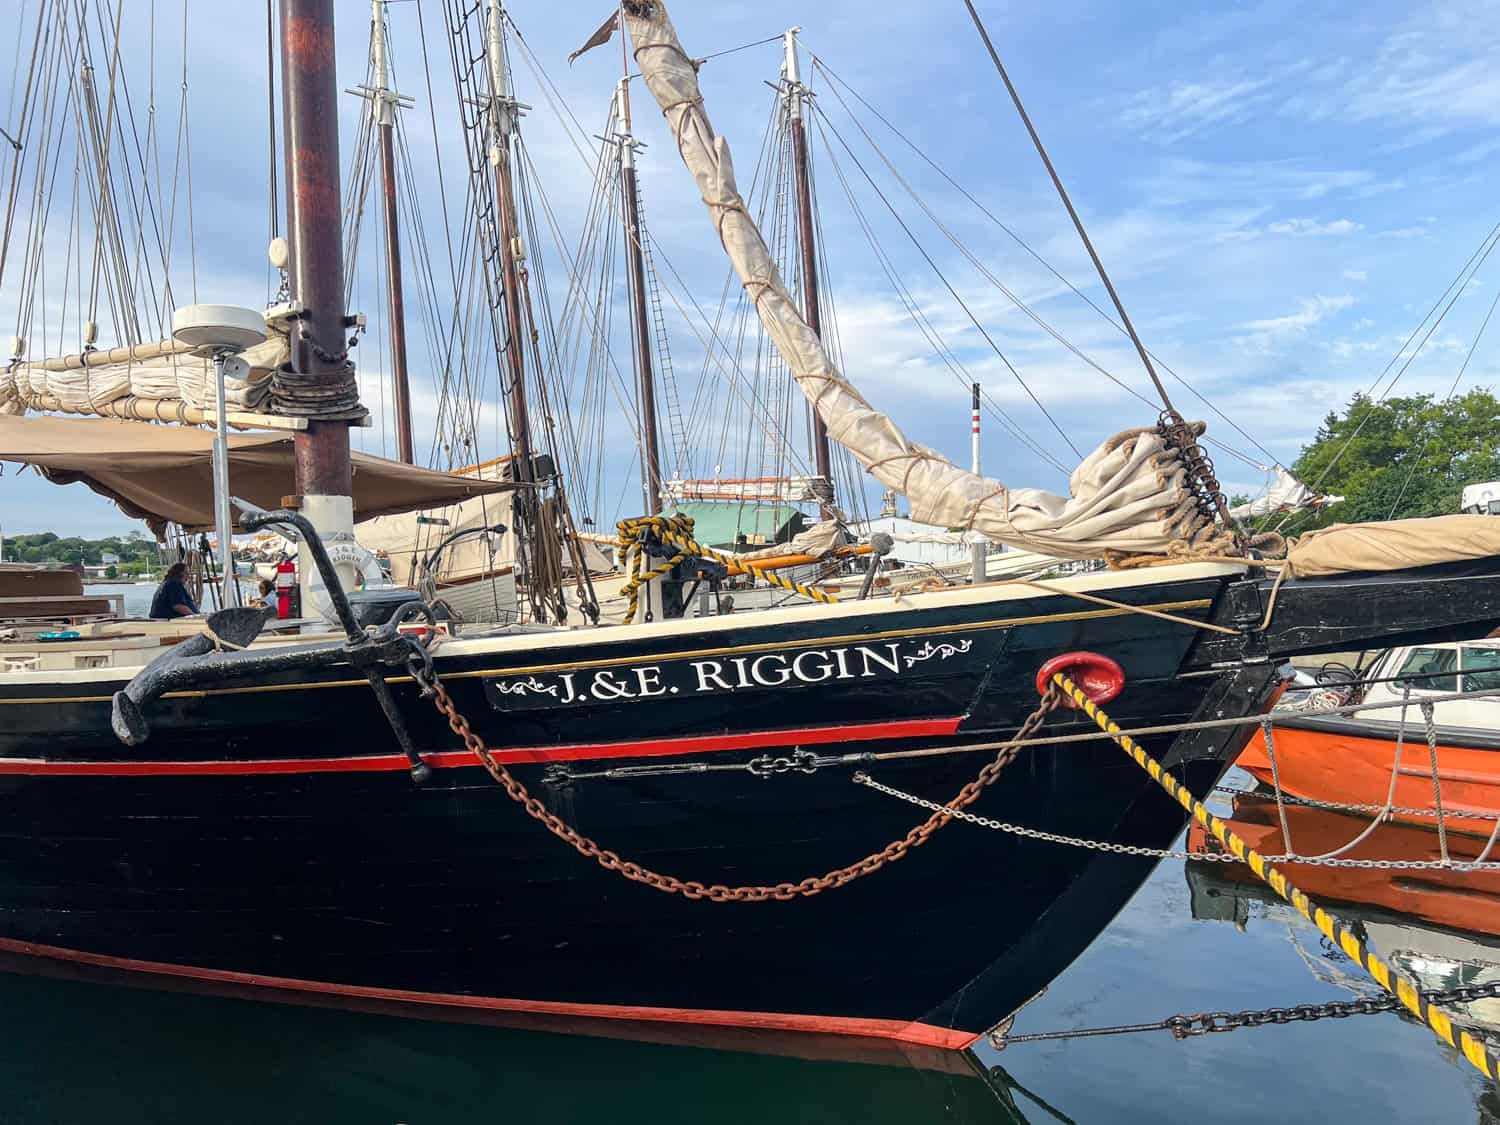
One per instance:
(677, 531)
(632, 532)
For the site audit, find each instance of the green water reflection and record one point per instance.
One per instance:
(73, 1052)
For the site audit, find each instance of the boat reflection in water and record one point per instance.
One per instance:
(1440, 927)
(104, 1052)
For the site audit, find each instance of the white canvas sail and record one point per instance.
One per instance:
(1131, 495)
(158, 381)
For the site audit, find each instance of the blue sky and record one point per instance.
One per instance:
(1280, 191)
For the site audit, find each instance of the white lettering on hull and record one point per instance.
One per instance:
(891, 660)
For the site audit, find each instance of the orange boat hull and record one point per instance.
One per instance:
(1328, 764)
(1457, 900)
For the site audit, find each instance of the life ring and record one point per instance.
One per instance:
(1099, 677)
(340, 552)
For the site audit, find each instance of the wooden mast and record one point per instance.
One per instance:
(319, 354)
(526, 502)
(385, 102)
(503, 110)
(812, 309)
(636, 274)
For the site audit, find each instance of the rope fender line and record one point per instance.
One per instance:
(1473, 1048)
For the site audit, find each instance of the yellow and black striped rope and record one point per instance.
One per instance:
(693, 547)
(1405, 990)
(678, 532)
(630, 541)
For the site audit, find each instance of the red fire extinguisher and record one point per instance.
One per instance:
(286, 589)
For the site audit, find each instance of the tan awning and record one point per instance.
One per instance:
(164, 474)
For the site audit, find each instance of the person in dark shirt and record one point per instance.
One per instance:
(172, 598)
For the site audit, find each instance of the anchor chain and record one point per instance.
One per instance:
(896, 850)
(1142, 851)
(1189, 1026)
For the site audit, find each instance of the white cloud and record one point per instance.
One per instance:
(1170, 113)
(1311, 311)
(1296, 228)
(1314, 227)
(1356, 275)
(1481, 151)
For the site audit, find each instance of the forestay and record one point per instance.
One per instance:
(1132, 495)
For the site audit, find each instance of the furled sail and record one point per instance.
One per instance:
(1286, 494)
(159, 381)
(1132, 495)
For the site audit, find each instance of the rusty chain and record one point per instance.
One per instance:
(1189, 1026)
(717, 892)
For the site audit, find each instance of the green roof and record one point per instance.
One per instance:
(720, 525)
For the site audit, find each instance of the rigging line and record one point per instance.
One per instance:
(705, 394)
(142, 208)
(1457, 278)
(187, 148)
(19, 164)
(913, 309)
(547, 82)
(123, 111)
(822, 66)
(1452, 388)
(274, 212)
(1010, 295)
(1456, 289)
(1392, 362)
(1072, 213)
(15, 65)
(727, 51)
(922, 250)
(44, 186)
(445, 380)
(535, 65)
(979, 266)
(924, 324)
(754, 399)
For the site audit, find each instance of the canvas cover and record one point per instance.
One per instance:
(820, 539)
(1347, 548)
(163, 474)
(1131, 495)
(409, 537)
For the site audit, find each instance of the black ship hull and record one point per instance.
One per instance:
(267, 836)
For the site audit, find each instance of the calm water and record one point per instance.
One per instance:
(76, 1052)
(138, 597)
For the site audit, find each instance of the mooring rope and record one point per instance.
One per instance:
(1473, 1047)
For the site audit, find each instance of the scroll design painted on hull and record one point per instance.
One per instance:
(767, 672)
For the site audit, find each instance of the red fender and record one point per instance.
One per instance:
(1100, 678)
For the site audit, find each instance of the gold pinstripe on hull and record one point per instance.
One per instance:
(609, 662)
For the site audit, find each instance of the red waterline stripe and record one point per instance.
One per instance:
(902, 1031)
(374, 763)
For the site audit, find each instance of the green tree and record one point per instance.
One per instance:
(1400, 458)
